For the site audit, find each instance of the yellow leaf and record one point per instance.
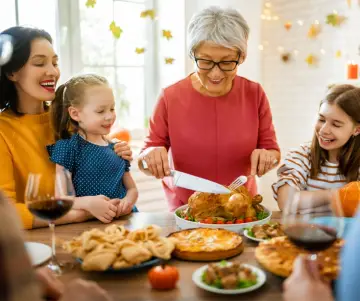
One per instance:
(167, 34)
(311, 60)
(148, 13)
(90, 3)
(140, 50)
(314, 31)
(338, 54)
(116, 30)
(169, 60)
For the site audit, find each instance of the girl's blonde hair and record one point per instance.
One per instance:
(347, 98)
(70, 94)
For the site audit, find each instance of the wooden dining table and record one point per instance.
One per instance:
(134, 285)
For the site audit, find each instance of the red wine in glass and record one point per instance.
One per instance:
(311, 237)
(50, 204)
(51, 209)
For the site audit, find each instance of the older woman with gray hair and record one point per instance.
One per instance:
(212, 124)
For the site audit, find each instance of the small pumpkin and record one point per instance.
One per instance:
(349, 196)
(163, 277)
(121, 134)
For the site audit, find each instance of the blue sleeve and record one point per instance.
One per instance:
(348, 283)
(63, 152)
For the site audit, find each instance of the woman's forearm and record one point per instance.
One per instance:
(73, 216)
(308, 199)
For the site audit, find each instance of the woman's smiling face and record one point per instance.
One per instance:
(215, 82)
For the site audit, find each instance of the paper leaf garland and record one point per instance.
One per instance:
(286, 57)
(140, 50)
(335, 19)
(314, 31)
(311, 60)
(116, 30)
(338, 54)
(148, 13)
(169, 60)
(288, 25)
(90, 3)
(167, 34)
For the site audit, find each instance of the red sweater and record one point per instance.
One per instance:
(211, 137)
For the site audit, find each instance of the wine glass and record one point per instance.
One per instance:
(50, 206)
(313, 229)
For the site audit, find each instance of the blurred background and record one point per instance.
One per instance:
(297, 48)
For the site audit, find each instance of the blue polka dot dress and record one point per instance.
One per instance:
(95, 169)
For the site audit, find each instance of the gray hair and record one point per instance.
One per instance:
(223, 26)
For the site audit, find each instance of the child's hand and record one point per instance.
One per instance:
(102, 208)
(124, 207)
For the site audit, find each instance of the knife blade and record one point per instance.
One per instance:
(184, 180)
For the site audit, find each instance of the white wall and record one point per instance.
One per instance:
(295, 89)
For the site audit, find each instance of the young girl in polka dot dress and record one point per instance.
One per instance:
(82, 115)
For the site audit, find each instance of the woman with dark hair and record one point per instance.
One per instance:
(332, 159)
(27, 84)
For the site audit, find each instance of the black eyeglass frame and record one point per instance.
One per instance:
(237, 62)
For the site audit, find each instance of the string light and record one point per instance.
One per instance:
(261, 47)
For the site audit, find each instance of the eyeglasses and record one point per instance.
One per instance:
(223, 65)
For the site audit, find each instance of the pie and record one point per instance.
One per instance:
(205, 244)
(277, 255)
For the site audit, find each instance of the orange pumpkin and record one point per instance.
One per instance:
(121, 134)
(350, 198)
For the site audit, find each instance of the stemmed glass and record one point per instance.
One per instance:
(50, 207)
(311, 230)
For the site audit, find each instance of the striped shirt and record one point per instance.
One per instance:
(295, 171)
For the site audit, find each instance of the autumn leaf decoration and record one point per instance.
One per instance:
(311, 60)
(335, 19)
(90, 3)
(148, 13)
(169, 60)
(288, 25)
(116, 30)
(286, 57)
(314, 31)
(139, 50)
(167, 34)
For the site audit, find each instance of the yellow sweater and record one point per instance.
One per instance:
(22, 150)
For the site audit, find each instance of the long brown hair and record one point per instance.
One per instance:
(347, 98)
(71, 94)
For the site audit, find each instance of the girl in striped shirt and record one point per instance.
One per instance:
(333, 157)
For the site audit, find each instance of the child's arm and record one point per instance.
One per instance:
(308, 199)
(293, 177)
(98, 206)
(127, 203)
